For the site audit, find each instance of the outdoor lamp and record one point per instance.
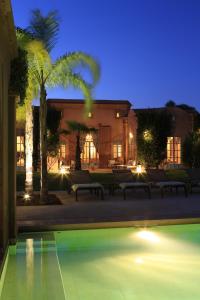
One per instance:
(139, 168)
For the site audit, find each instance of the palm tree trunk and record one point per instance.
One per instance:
(29, 149)
(78, 154)
(43, 145)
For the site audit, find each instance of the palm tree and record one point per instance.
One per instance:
(45, 73)
(59, 73)
(44, 29)
(24, 113)
(78, 129)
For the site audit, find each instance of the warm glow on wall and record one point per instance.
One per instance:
(117, 115)
(147, 135)
(130, 135)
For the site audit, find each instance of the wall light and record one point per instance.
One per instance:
(130, 135)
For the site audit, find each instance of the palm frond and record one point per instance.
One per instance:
(79, 59)
(23, 37)
(74, 126)
(40, 65)
(67, 79)
(45, 28)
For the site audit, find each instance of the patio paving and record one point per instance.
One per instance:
(90, 209)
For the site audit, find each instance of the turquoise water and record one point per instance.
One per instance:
(109, 264)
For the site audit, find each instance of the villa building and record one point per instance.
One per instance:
(114, 140)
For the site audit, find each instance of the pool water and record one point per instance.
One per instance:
(106, 264)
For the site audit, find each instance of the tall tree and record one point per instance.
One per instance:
(46, 73)
(24, 111)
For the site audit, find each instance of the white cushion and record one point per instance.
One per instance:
(125, 185)
(94, 185)
(170, 183)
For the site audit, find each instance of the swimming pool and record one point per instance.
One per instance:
(122, 264)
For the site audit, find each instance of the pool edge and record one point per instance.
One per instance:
(3, 270)
(113, 224)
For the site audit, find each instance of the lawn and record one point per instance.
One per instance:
(59, 182)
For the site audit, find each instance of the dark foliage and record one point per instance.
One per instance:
(53, 123)
(19, 75)
(170, 103)
(153, 129)
(191, 150)
(45, 28)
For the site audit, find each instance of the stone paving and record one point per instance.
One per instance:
(90, 209)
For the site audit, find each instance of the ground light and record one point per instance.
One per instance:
(64, 170)
(27, 197)
(139, 169)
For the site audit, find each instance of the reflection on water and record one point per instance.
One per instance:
(29, 263)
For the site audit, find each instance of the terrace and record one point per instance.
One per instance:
(120, 248)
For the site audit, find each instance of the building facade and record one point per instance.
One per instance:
(8, 50)
(114, 140)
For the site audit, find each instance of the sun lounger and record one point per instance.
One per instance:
(194, 177)
(158, 178)
(126, 180)
(81, 180)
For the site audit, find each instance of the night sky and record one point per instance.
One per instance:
(149, 50)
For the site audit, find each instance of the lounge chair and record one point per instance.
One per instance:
(158, 178)
(81, 180)
(126, 180)
(194, 177)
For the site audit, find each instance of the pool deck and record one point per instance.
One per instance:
(90, 211)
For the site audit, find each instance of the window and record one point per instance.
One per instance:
(62, 152)
(117, 151)
(20, 151)
(89, 153)
(174, 150)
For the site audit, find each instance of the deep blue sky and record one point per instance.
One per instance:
(149, 50)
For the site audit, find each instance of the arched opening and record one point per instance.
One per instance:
(89, 153)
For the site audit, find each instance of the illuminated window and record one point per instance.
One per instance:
(89, 153)
(117, 151)
(117, 115)
(20, 151)
(174, 150)
(62, 151)
(89, 115)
